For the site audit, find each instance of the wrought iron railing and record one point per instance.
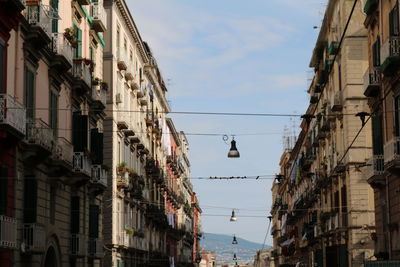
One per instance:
(61, 46)
(34, 238)
(8, 232)
(12, 113)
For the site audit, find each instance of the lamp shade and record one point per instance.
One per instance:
(233, 217)
(233, 152)
(234, 241)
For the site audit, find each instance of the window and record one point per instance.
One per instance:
(3, 189)
(29, 92)
(78, 49)
(394, 21)
(75, 204)
(80, 132)
(30, 199)
(377, 135)
(376, 52)
(53, 111)
(96, 146)
(118, 41)
(3, 66)
(54, 22)
(397, 116)
(94, 212)
(52, 204)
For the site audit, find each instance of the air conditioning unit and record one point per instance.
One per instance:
(118, 98)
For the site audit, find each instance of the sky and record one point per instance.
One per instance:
(233, 56)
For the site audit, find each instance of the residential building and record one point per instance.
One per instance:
(264, 258)
(51, 122)
(326, 211)
(146, 221)
(380, 86)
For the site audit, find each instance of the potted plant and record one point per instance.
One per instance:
(122, 167)
(96, 81)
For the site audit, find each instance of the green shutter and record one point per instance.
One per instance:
(54, 22)
(94, 212)
(53, 111)
(75, 204)
(30, 199)
(78, 49)
(3, 189)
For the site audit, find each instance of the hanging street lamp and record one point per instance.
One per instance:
(233, 152)
(234, 241)
(233, 217)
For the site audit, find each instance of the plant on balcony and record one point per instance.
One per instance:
(104, 86)
(96, 81)
(69, 34)
(129, 229)
(122, 167)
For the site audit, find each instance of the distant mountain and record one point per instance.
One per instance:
(224, 249)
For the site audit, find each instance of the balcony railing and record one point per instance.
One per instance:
(64, 150)
(82, 71)
(375, 166)
(8, 232)
(390, 52)
(382, 263)
(81, 163)
(337, 101)
(95, 248)
(122, 60)
(61, 46)
(372, 81)
(40, 134)
(99, 95)
(12, 114)
(41, 15)
(99, 175)
(34, 238)
(78, 245)
(99, 17)
(392, 150)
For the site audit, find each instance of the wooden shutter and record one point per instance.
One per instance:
(94, 212)
(80, 132)
(30, 199)
(3, 189)
(343, 259)
(54, 111)
(78, 49)
(54, 22)
(376, 50)
(75, 204)
(394, 21)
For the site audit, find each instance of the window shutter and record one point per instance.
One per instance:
(30, 199)
(75, 215)
(96, 146)
(377, 134)
(395, 18)
(78, 49)
(2, 66)
(53, 111)
(76, 137)
(94, 212)
(29, 92)
(85, 131)
(3, 189)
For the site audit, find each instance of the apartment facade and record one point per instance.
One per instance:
(145, 216)
(324, 208)
(381, 88)
(52, 100)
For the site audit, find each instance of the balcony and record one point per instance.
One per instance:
(81, 164)
(40, 138)
(99, 176)
(99, 97)
(83, 75)
(8, 232)
(34, 238)
(392, 154)
(40, 17)
(64, 52)
(122, 178)
(95, 248)
(12, 116)
(374, 170)
(122, 61)
(77, 245)
(390, 55)
(372, 82)
(99, 17)
(123, 120)
(64, 152)
(141, 93)
(337, 102)
(129, 72)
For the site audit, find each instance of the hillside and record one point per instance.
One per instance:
(224, 249)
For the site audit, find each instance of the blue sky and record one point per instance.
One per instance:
(233, 56)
